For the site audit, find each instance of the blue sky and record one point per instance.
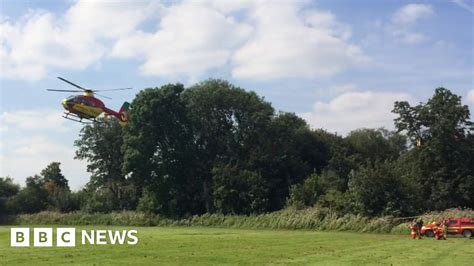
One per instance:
(338, 64)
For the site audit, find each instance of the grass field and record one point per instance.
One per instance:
(183, 245)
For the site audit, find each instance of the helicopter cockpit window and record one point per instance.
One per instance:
(73, 99)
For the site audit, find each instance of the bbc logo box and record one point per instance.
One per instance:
(42, 237)
(66, 237)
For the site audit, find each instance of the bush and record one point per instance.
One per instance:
(8, 189)
(101, 200)
(379, 190)
(62, 200)
(147, 203)
(308, 219)
(322, 189)
(239, 191)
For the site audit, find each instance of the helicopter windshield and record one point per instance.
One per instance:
(72, 99)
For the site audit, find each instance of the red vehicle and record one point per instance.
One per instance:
(456, 226)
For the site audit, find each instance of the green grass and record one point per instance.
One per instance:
(196, 245)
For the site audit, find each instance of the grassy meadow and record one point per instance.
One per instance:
(206, 245)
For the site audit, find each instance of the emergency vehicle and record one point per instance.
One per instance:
(456, 226)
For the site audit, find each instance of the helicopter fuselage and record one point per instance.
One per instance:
(88, 107)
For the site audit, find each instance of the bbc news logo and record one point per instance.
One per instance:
(66, 237)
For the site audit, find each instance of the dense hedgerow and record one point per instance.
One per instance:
(309, 219)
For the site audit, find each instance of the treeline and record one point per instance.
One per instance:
(48, 191)
(216, 148)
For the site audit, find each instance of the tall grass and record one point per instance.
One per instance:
(311, 218)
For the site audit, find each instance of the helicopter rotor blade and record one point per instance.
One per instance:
(73, 84)
(87, 90)
(107, 97)
(64, 90)
(119, 89)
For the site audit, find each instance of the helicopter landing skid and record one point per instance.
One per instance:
(76, 118)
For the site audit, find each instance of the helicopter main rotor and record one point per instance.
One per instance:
(86, 90)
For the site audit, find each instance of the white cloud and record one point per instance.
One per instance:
(405, 18)
(410, 13)
(233, 6)
(31, 139)
(36, 146)
(353, 110)
(192, 39)
(28, 155)
(33, 120)
(470, 96)
(110, 19)
(41, 40)
(255, 39)
(288, 42)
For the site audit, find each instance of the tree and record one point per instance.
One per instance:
(238, 191)
(443, 117)
(291, 152)
(8, 189)
(373, 145)
(159, 151)
(442, 134)
(229, 125)
(99, 200)
(380, 190)
(46, 192)
(177, 141)
(52, 174)
(33, 198)
(100, 144)
(321, 190)
(343, 157)
(307, 193)
(147, 203)
(59, 194)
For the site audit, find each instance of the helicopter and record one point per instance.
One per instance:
(88, 107)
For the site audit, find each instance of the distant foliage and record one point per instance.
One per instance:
(239, 191)
(101, 200)
(33, 198)
(8, 190)
(307, 219)
(147, 203)
(48, 191)
(100, 144)
(216, 148)
(442, 161)
(53, 178)
(379, 190)
(211, 152)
